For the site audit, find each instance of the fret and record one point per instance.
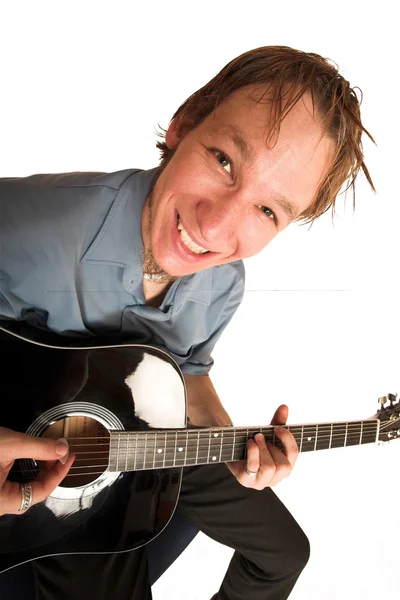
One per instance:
(154, 450)
(111, 455)
(233, 446)
(179, 453)
(345, 439)
(301, 439)
(145, 448)
(191, 450)
(353, 436)
(158, 452)
(216, 435)
(165, 449)
(221, 443)
(316, 437)
(176, 444)
(339, 436)
(330, 439)
(308, 441)
(209, 448)
(126, 454)
(245, 444)
(116, 462)
(324, 435)
(361, 433)
(198, 444)
(186, 448)
(203, 448)
(135, 453)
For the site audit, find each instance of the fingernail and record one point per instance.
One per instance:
(62, 448)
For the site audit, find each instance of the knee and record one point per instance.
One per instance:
(290, 556)
(296, 551)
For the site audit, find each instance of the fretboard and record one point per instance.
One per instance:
(167, 448)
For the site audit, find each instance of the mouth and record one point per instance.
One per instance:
(187, 240)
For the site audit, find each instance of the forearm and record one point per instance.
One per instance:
(204, 406)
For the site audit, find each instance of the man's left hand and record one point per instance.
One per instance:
(270, 464)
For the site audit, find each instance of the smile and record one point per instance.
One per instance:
(187, 240)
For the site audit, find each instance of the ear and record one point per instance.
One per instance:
(176, 131)
(172, 135)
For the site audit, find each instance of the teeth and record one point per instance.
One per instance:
(189, 243)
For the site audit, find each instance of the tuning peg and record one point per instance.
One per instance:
(392, 398)
(382, 400)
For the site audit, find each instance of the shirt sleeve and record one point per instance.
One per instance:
(225, 306)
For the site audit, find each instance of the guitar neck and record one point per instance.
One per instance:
(167, 448)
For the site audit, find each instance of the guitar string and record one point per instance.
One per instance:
(161, 459)
(240, 447)
(227, 432)
(204, 436)
(206, 442)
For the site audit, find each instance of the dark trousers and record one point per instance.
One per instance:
(270, 548)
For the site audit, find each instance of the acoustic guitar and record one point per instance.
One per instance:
(122, 408)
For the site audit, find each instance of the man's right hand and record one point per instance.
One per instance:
(15, 445)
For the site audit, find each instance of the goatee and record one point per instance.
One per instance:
(150, 266)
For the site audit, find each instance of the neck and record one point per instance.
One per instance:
(167, 448)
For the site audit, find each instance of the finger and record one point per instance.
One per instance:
(281, 415)
(267, 463)
(45, 466)
(290, 448)
(283, 467)
(14, 444)
(252, 463)
(10, 497)
(4, 471)
(253, 457)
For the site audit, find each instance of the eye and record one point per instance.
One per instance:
(268, 212)
(224, 160)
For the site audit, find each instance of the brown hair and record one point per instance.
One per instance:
(279, 66)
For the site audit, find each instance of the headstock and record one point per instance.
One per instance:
(389, 416)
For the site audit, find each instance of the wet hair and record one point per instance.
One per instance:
(287, 74)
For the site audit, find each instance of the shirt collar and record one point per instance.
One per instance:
(119, 241)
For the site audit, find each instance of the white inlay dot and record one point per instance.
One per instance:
(214, 458)
(180, 449)
(159, 451)
(215, 434)
(309, 439)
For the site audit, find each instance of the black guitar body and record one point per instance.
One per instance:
(101, 388)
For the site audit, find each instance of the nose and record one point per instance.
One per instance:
(220, 221)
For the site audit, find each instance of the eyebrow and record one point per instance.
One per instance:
(231, 131)
(288, 208)
(235, 135)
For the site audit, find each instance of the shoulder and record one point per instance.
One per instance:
(69, 180)
(231, 276)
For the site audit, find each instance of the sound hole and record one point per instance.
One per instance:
(89, 440)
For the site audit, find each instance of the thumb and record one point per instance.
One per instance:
(18, 445)
(281, 415)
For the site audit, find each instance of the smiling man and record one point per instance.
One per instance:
(158, 255)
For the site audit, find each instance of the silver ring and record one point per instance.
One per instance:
(251, 473)
(27, 496)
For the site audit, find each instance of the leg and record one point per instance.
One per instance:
(121, 576)
(271, 549)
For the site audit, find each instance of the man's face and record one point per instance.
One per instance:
(225, 192)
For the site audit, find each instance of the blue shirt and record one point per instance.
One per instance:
(71, 261)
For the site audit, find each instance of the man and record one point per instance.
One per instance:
(270, 140)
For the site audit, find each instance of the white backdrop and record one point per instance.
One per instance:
(83, 86)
